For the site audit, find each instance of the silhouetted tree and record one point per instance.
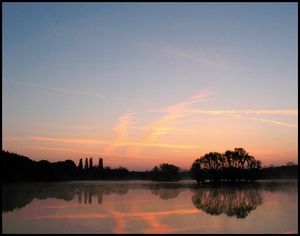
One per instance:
(106, 174)
(230, 166)
(44, 171)
(80, 166)
(91, 163)
(166, 172)
(86, 165)
(121, 173)
(100, 164)
(17, 168)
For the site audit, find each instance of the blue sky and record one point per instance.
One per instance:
(144, 83)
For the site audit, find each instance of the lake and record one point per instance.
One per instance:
(125, 207)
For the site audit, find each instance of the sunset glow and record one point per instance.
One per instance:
(140, 84)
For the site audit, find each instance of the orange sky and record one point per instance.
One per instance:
(144, 84)
(178, 136)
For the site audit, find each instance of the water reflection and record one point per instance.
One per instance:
(17, 196)
(229, 201)
(234, 201)
(166, 194)
(88, 191)
(166, 191)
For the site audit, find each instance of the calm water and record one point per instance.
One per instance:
(149, 207)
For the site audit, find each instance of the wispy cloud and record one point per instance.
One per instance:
(13, 138)
(273, 122)
(65, 140)
(62, 149)
(132, 154)
(54, 88)
(180, 107)
(121, 131)
(243, 114)
(123, 127)
(246, 112)
(65, 90)
(179, 52)
(166, 123)
(153, 130)
(93, 153)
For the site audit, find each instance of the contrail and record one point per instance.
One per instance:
(239, 114)
(54, 88)
(245, 112)
(65, 90)
(273, 121)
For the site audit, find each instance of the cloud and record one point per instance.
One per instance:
(54, 88)
(111, 143)
(165, 124)
(121, 129)
(64, 140)
(13, 138)
(65, 90)
(243, 114)
(124, 128)
(62, 149)
(92, 153)
(178, 52)
(122, 132)
(168, 122)
(153, 130)
(273, 121)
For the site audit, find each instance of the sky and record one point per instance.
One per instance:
(141, 84)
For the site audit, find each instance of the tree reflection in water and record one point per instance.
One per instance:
(233, 200)
(89, 191)
(237, 202)
(17, 196)
(166, 194)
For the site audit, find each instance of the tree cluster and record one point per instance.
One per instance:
(229, 166)
(279, 172)
(165, 172)
(17, 168)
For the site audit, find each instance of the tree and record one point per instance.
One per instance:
(80, 166)
(199, 172)
(91, 163)
(230, 166)
(208, 166)
(86, 165)
(100, 164)
(165, 172)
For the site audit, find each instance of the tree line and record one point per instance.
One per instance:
(231, 166)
